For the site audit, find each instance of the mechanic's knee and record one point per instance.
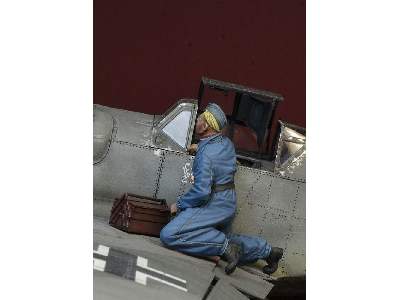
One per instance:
(167, 236)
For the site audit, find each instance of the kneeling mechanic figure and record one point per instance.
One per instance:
(206, 211)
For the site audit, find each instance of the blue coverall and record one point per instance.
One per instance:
(202, 226)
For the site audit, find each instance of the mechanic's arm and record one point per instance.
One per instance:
(201, 190)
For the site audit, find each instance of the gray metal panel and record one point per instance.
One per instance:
(282, 195)
(285, 229)
(244, 281)
(127, 168)
(274, 208)
(261, 199)
(248, 220)
(294, 262)
(198, 273)
(300, 206)
(171, 183)
(249, 186)
(224, 291)
(245, 179)
(133, 127)
(295, 253)
(111, 287)
(275, 228)
(102, 208)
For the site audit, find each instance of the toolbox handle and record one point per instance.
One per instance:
(150, 200)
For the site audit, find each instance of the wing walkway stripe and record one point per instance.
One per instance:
(142, 279)
(142, 262)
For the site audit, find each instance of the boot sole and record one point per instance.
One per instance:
(229, 269)
(271, 268)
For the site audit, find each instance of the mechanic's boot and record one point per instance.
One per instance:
(232, 255)
(272, 260)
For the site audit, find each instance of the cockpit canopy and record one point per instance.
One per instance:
(175, 128)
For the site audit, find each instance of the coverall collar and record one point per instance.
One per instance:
(207, 139)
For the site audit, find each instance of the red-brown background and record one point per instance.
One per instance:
(148, 54)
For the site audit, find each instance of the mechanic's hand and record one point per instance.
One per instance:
(192, 149)
(173, 208)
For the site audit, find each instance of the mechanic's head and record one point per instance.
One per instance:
(211, 121)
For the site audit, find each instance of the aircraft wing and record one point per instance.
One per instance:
(129, 266)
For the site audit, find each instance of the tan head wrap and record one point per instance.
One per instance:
(210, 119)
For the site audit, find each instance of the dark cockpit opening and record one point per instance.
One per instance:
(249, 117)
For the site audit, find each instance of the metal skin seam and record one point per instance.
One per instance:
(246, 169)
(181, 190)
(251, 190)
(256, 171)
(264, 218)
(295, 200)
(293, 217)
(159, 174)
(298, 218)
(277, 210)
(181, 184)
(269, 191)
(290, 233)
(143, 148)
(293, 210)
(147, 147)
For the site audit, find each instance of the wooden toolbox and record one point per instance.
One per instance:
(138, 214)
